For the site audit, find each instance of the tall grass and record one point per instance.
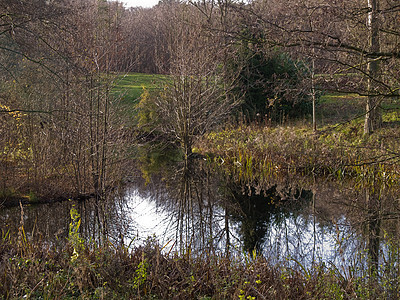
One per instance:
(32, 269)
(257, 153)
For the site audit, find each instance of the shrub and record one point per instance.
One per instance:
(272, 83)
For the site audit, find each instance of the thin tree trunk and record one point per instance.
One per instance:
(313, 96)
(373, 117)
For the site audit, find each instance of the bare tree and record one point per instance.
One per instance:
(59, 83)
(196, 95)
(373, 117)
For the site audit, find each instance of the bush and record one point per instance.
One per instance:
(272, 84)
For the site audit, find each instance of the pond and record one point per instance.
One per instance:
(193, 207)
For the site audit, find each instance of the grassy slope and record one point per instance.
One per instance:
(339, 149)
(130, 85)
(335, 108)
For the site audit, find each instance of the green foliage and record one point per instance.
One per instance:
(140, 274)
(32, 197)
(7, 193)
(155, 157)
(271, 83)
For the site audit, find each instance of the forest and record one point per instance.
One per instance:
(95, 95)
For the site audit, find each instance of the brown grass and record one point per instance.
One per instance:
(260, 153)
(34, 270)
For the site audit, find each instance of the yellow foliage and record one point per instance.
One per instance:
(16, 114)
(146, 111)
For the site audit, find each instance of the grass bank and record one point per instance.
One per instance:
(337, 150)
(251, 153)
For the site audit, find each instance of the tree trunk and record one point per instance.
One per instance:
(314, 118)
(373, 118)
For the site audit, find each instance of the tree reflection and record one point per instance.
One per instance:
(197, 207)
(373, 221)
(255, 210)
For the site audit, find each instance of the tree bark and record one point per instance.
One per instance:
(373, 118)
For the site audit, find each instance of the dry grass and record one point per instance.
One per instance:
(34, 270)
(259, 153)
(141, 273)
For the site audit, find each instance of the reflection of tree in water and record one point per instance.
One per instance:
(189, 191)
(203, 215)
(194, 200)
(255, 210)
(373, 222)
(50, 222)
(100, 219)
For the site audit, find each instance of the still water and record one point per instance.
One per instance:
(193, 208)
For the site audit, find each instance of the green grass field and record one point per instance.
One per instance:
(336, 108)
(130, 86)
(332, 107)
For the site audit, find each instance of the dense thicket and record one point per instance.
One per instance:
(59, 130)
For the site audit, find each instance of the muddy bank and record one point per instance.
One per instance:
(12, 201)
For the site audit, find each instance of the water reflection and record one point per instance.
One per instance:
(373, 224)
(49, 222)
(192, 206)
(256, 211)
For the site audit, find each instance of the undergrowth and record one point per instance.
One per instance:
(254, 152)
(32, 269)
